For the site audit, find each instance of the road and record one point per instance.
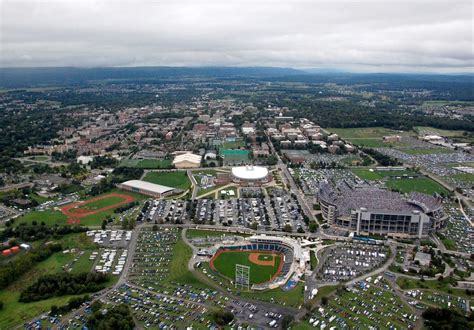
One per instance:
(291, 183)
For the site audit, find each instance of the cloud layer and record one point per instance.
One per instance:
(362, 35)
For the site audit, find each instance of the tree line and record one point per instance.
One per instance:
(63, 284)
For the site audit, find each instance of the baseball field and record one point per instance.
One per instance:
(264, 266)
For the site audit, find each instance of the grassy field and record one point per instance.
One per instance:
(15, 313)
(367, 174)
(49, 217)
(422, 184)
(437, 131)
(175, 179)
(95, 205)
(368, 136)
(463, 177)
(55, 217)
(234, 189)
(147, 163)
(435, 285)
(233, 145)
(226, 261)
(195, 233)
(365, 132)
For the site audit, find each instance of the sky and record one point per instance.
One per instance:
(360, 36)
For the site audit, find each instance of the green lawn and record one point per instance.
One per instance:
(175, 179)
(435, 285)
(233, 145)
(367, 174)
(49, 217)
(438, 131)
(52, 217)
(147, 163)
(463, 177)
(422, 184)
(368, 136)
(293, 297)
(15, 313)
(234, 189)
(83, 264)
(365, 132)
(195, 233)
(98, 204)
(226, 261)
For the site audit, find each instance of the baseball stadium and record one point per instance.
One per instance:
(268, 262)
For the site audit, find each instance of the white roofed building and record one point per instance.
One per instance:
(250, 175)
(187, 160)
(148, 188)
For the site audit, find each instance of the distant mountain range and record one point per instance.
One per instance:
(29, 77)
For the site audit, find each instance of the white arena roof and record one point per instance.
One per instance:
(139, 184)
(250, 172)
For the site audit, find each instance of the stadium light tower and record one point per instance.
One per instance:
(242, 277)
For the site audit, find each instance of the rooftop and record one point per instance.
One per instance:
(139, 184)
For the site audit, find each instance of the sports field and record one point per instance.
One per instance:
(147, 163)
(422, 184)
(174, 179)
(264, 266)
(78, 210)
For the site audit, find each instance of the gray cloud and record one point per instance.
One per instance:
(362, 35)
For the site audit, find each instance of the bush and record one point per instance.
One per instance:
(222, 317)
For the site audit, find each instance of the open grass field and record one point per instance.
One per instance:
(424, 130)
(435, 285)
(422, 184)
(175, 179)
(374, 175)
(49, 217)
(196, 233)
(369, 136)
(224, 263)
(15, 313)
(147, 163)
(463, 177)
(233, 145)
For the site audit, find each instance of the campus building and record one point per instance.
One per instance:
(187, 160)
(250, 175)
(376, 211)
(148, 188)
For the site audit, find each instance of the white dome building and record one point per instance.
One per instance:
(250, 175)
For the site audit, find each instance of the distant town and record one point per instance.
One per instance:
(218, 201)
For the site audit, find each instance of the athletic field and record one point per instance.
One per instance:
(96, 205)
(264, 266)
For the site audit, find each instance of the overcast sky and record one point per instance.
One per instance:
(381, 36)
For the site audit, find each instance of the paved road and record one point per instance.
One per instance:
(291, 183)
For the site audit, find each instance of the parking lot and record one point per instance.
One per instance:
(459, 230)
(111, 238)
(152, 256)
(364, 305)
(269, 213)
(415, 297)
(348, 260)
